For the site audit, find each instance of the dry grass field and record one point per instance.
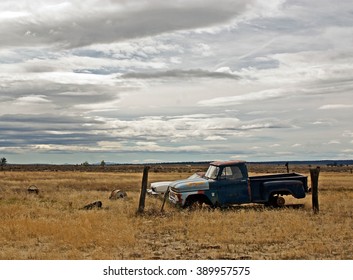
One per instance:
(51, 225)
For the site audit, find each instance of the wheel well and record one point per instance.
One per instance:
(198, 197)
(280, 192)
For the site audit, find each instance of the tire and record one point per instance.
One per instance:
(276, 201)
(194, 203)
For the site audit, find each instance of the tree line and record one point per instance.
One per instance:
(3, 162)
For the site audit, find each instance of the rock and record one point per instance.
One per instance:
(94, 205)
(33, 189)
(117, 194)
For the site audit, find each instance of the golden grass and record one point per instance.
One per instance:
(52, 226)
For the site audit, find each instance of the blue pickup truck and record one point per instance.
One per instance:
(227, 183)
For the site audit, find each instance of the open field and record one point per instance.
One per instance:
(51, 225)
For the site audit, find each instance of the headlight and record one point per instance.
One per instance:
(173, 196)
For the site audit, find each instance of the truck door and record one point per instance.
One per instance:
(233, 186)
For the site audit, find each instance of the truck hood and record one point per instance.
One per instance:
(159, 187)
(188, 185)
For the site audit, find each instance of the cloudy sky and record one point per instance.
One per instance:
(183, 80)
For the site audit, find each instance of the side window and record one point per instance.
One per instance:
(231, 173)
(236, 172)
(226, 173)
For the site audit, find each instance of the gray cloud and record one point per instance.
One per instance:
(180, 74)
(76, 25)
(45, 95)
(32, 131)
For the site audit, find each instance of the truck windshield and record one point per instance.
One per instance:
(212, 172)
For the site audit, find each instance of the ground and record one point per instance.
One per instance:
(52, 225)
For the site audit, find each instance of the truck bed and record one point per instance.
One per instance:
(256, 183)
(277, 176)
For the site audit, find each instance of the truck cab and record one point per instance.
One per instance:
(229, 180)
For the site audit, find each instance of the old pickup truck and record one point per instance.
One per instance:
(227, 183)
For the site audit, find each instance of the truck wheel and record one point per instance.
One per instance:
(280, 201)
(193, 204)
(276, 201)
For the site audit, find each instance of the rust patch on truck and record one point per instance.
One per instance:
(195, 184)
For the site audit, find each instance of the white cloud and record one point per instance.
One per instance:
(11, 15)
(275, 145)
(335, 106)
(334, 142)
(239, 99)
(32, 99)
(215, 138)
(296, 145)
(347, 133)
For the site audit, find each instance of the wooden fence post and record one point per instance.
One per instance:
(143, 190)
(164, 199)
(314, 174)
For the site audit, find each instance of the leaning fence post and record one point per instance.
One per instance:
(314, 174)
(143, 190)
(164, 199)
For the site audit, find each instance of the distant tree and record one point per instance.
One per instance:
(3, 162)
(103, 163)
(85, 163)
